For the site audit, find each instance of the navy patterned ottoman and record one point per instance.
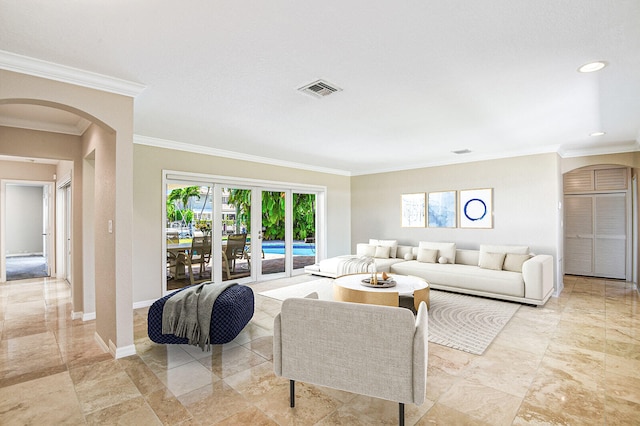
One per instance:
(232, 310)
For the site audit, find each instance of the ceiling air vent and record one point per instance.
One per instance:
(462, 151)
(319, 88)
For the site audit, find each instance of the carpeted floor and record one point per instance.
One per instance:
(25, 267)
(458, 321)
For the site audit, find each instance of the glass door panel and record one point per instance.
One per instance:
(188, 223)
(304, 230)
(274, 233)
(236, 233)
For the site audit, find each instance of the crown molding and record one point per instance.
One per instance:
(68, 129)
(36, 67)
(199, 149)
(618, 148)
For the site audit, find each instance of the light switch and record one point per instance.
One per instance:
(110, 226)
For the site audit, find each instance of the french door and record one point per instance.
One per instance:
(250, 231)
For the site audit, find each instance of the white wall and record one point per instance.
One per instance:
(149, 162)
(24, 219)
(525, 203)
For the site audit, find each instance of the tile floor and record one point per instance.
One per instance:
(574, 362)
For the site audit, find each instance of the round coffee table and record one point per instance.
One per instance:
(349, 288)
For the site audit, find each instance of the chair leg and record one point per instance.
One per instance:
(292, 393)
(401, 414)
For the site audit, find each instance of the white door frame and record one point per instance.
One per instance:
(49, 250)
(256, 185)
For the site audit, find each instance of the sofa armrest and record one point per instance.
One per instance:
(537, 274)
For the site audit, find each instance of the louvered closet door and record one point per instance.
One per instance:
(610, 239)
(578, 234)
(595, 235)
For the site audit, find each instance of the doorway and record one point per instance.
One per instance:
(26, 230)
(598, 219)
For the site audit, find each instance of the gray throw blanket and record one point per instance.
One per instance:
(188, 313)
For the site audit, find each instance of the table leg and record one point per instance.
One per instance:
(421, 295)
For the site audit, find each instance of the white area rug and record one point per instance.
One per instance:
(458, 321)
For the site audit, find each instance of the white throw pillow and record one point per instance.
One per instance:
(408, 256)
(491, 260)
(427, 255)
(442, 260)
(513, 262)
(393, 244)
(365, 250)
(447, 250)
(382, 252)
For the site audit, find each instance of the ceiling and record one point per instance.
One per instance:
(419, 79)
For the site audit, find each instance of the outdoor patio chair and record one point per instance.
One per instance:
(198, 254)
(234, 250)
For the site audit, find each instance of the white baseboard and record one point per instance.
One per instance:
(143, 303)
(115, 351)
(101, 342)
(123, 351)
(89, 316)
(76, 315)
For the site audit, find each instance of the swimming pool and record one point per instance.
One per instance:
(299, 248)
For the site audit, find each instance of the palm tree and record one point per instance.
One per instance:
(183, 195)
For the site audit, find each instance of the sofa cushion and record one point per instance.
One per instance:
(402, 251)
(382, 252)
(365, 250)
(393, 244)
(464, 277)
(427, 255)
(491, 260)
(447, 250)
(504, 249)
(513, 262)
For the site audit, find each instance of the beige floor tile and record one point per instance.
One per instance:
(46, 401)
(505, 369)
(167, 407)
(622, 366)
(229, 361)
(311, 404)
(187, 377)
(445, 416)
(163, 357)
(262, 346)
(623, 387)
(482, 402)
(132, 412)
(251, 416)
(621, 412)
(256, 382)
(214, 403)
(556, 397)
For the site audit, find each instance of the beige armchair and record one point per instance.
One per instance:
(373, 350)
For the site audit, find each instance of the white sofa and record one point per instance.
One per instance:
(389, 254)
(379, 351)
(504, 272)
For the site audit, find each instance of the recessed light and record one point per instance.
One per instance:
(462, 151)
(592, 66)
(597, 134)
